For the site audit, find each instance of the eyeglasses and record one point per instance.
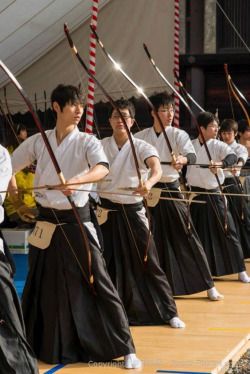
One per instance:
(167, 110)
(124, 116)
(213, 126)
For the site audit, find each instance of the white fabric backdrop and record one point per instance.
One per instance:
(123, 25)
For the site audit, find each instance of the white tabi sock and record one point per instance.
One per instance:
(176, 323)
(243, 277)
(214, 295)
(132, 362)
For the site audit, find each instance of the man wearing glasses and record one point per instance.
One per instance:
(129, 248)
(181, 254)
(213, 221)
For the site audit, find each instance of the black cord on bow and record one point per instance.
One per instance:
(239, 97)
(193, 117)
(185, 93)
(73, 47)
(35, 97)
(236, 94)
(7, 119)
(186, 105)
(8, 115)
(90, 278)
(140, 91)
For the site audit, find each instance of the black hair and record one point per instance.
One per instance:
(229, 125)
(20, 127)
(243, 126)
(65, 94)
(205, 118)
(124, 104)
(162, 99)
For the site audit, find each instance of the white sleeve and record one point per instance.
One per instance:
(25, 154)
(184, 143)
(141, 134)
(146, 150)
(95, 153)
(222, 150)
(5, 175)
(241, 152)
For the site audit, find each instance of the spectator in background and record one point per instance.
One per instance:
(238, 205)
(244, 139)
(20, 207)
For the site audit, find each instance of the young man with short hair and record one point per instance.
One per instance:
(129, 248)
(181, 254)
(67, 318)
(213, 220)
(237, 204)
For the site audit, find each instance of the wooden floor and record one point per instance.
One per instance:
(215, 332)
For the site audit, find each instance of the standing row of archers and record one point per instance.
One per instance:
(72, 317)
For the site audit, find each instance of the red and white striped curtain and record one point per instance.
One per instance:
(92, 64)
(176, 57)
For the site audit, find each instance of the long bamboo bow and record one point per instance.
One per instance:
(240, 98)
(140, 91)
(74, 49)
(237, 94)
(89, 278)
(185, 93)
(194, 120)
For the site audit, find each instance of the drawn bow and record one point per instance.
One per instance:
(90, 277)
(112, 102)
(237, 94)
(192, 116)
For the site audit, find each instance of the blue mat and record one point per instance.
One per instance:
(19, 284)
(182, 372)
(54, 369)
(21, 262)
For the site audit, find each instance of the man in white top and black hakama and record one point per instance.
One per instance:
(180, 251)
(16, 355)
(129, 248)
(213, 221)
(68, 319)
(243, 138)
(238, 206)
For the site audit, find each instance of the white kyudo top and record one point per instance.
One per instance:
(180, 143)
(123, 170)
(5, 175)
(76, 154)
(241, 152)
(203, 177)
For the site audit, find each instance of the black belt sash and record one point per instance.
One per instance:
(107, 204)
(63, 215)
(168, 185)
(199, 189)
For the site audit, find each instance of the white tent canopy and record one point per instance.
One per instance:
(35, 49)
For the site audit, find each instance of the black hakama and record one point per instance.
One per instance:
(16, 355)
(222, 247)
(66, 320)
(142, 287)
(240, 211)
(181, 254)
